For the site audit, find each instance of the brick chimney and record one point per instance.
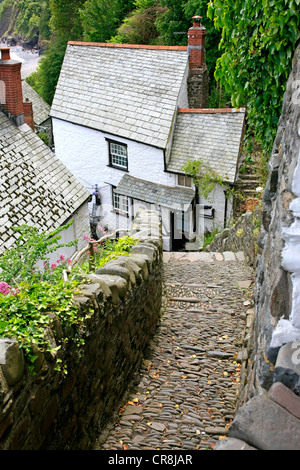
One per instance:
(11, 96)
(198, 91)
(28, 113)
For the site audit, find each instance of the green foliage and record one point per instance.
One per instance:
(27, 17)
(218, 98)
(45, 79)
(34, 16)
(31, 297)
(258, 40)
(99, 19)
(208, 237)
(107, 250)
(65, 19)
(139, 27)
(44, 137)
(204, 177)
(19, 264)
(26, 314)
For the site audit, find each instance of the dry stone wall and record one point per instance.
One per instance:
(243, 236)
(51, 410)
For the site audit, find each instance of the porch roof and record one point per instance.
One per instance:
(173, 198)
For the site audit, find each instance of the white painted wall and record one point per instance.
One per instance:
(85, 152)
(76, 232)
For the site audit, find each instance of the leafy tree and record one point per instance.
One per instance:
(258, 40)
(65, 19)
(101, 18)
(139, 27)
(44, 80)
(34, 15)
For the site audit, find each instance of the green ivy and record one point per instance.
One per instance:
(257, 46)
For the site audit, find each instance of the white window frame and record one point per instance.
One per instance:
(120, 203)
(118, 155)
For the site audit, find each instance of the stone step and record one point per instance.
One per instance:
(199, 256)
(258, 423)
(248, 182)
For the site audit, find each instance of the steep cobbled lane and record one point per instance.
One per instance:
(186, 391)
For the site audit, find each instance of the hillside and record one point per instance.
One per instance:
(25, 18)
(8, 13)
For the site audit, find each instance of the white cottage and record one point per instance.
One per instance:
(126, 118)
(37, 189)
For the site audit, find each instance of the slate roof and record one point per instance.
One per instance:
(35, 187)
(41, 109)
(171, 197)
(211, 135)
(126, 90)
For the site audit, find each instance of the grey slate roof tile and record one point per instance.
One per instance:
(146, 191)
(41, 109)
(35, 187)
(214, 138)
(120, 80)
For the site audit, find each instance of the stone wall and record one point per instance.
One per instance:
(243, 236)
(277, 287)
(198, 88)
(51, 410)
(268, 417)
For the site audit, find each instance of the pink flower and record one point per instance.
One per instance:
(61, 257)
(69, 261)
(4, 288)
(53, 265)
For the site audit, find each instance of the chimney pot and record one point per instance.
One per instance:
(5, 53)
(196, 21)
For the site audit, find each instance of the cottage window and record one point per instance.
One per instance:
(120, 203)
(185, 181)
(118, 155)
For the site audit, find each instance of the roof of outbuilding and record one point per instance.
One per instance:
(212, 135)
(126, 90)
(41, 109)
(171, 197)
(35, 187)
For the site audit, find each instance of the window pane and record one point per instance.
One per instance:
(188, 181)
(118, 154)
(181, 180)
(121, 203)
(184, 181)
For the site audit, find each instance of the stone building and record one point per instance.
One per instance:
(36, 187)
(126, 118)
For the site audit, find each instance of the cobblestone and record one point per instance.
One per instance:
(185, 393)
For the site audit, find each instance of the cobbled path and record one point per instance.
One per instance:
(186, 391)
